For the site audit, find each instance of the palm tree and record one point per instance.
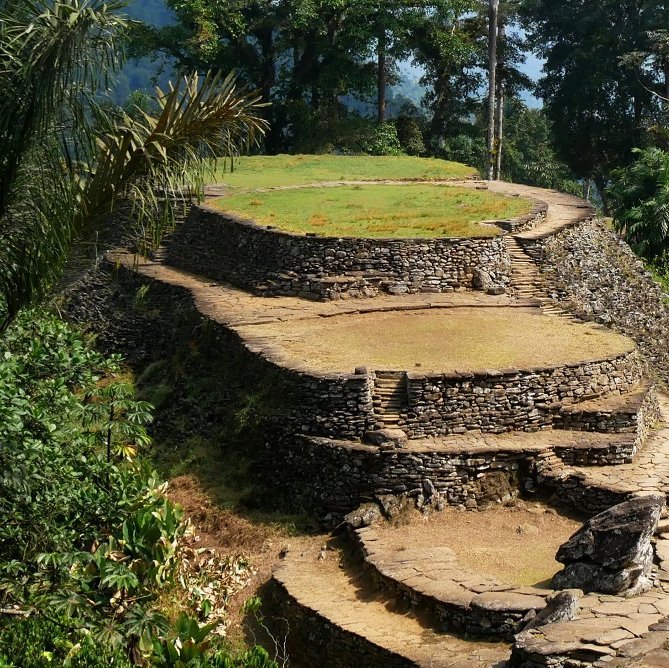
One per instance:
(64, 162)
(640, 202)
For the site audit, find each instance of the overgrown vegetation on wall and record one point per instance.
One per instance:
(90, 547)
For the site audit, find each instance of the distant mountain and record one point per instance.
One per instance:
(144, 73)
(154, 12)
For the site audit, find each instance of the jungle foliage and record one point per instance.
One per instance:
(88, 540)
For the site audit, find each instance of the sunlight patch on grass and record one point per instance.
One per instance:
(378, 211)
(286, 170)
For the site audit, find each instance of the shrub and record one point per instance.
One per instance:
(410, 135)
(382, 140)
(639, 198)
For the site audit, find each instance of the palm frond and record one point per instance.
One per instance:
(157, 160)
(52, 53)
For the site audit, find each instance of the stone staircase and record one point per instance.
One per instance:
(390, 399)
(596, 488)
(526, 280)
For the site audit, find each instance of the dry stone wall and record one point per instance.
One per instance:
(270, 262)
(597, 276)
(509, 400)
(334, 477)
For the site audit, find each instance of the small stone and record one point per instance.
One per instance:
(560, 607)
(387, 438)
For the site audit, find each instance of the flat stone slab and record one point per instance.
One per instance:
(333, 596)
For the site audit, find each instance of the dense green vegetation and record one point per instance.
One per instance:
(640, 201)
(66, 163)
(89, 541)
(379, 211)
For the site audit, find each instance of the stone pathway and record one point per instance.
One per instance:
(233, 307)
(563, 210)
(648, 473)
(333, 596)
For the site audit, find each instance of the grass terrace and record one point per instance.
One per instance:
(378, 211)
(285, 170)
(438, 340)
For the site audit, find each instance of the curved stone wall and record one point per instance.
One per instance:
(269, 262)
(342, 406)
(334, 476)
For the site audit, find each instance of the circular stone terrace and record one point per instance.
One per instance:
(460, 337)
(493, 391)
(337, 239)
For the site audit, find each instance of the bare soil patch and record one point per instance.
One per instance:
(466, 339)
(514, 545)
(228, 533)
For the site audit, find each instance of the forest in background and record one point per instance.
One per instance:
(327, 70)
(94, 560)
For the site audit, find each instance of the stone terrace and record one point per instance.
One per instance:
(593, 447)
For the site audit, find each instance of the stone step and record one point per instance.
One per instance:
(335, 617)
(429, 577)
(595, 489)
(632, 412)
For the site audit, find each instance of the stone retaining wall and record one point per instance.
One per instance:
(269, 262)
(341, 405)
(312, 640)
(333, 477)
(638, 417)
(509, 400)
(598, 277)
(483, 611)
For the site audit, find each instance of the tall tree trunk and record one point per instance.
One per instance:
(499, 124)
(381, 77)
(499, 139)
(493, 11)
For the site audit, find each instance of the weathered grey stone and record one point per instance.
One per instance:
(612, 553)
(387, 437)
(560, 607)
(364, 516)
(481, 279)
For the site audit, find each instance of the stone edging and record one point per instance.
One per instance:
(278, 263)
(461, 600)
(464, 601)
(315, 635)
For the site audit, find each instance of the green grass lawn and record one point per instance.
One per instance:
(285, 170)
(378, 211)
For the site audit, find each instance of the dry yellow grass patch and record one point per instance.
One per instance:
(469, 338)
